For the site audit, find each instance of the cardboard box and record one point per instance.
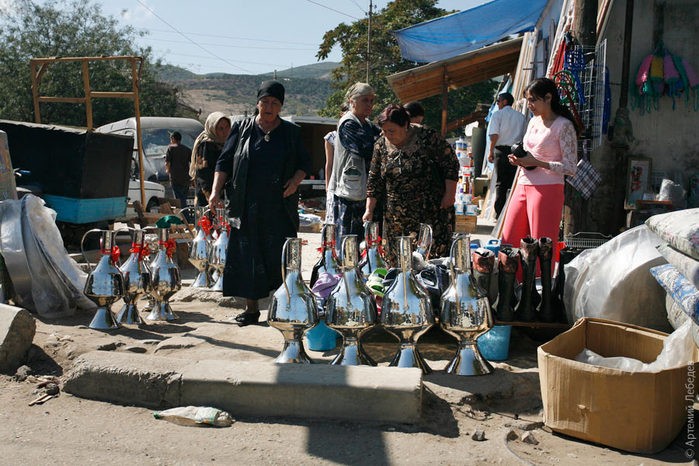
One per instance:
(640, 412)
(466, 223)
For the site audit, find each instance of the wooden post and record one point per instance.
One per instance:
(139, 141)
(35, 91)
(88, 97)
(445, 100)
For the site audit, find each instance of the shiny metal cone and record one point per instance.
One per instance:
(165, 281)
(103, 320)
(351, 309)
(352, 354)
(218, 284)
(217, 251)
(201, 280)
(105, 283)
(407, 311)
(465, 312)
(409, 356)
(293, 350)
(129, 315)
(199, 254)
(468, 361)
(292, 309)
(161, 312)
(137, 280)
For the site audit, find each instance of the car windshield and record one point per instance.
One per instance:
(156, 140)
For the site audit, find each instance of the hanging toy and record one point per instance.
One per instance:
(662, 73)
(644, 91)
(656, 75)
(693, 83)
(673, 83)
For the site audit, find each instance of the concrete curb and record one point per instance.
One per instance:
(385, 394)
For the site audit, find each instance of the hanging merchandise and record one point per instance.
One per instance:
(662, 73)
(691, 83)
(607, 101)
(567, 89)
(575, 64)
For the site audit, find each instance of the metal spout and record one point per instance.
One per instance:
(374, 259)
(424, 240)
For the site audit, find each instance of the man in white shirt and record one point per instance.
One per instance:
(506, 127)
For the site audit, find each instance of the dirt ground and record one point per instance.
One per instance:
(70, 430)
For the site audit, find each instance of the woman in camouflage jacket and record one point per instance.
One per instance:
(415, 170)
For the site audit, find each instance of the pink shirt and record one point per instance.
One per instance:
(556, 145)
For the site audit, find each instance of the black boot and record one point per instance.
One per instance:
(529, 251)
(508, 261)
(483, 263)
(559, 310)
(545, 255)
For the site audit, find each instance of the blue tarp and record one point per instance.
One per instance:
(462, 32)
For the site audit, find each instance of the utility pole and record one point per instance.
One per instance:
(368, 42)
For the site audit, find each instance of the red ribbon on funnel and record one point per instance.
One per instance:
(170, 246)
(114, 252)
(140, 249)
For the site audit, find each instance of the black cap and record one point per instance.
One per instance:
(271, 89)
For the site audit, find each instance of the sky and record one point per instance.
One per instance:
(242, 36)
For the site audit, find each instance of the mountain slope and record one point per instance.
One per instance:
(307, 88)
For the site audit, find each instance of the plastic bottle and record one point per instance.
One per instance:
(195, 416)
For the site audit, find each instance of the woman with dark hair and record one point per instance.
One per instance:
(265, 160)
(416, 112)
(415, 170)
(551, 145)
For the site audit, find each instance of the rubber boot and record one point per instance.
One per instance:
(508, 261)
(559, 310)
(529, 252)
(545, 255)
(483, 263)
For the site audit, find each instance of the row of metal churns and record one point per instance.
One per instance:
(107, 282)
(406, 313)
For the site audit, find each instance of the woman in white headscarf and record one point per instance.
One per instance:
(207, 148)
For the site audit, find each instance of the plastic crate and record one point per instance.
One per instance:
(72, 210)
(585, 240)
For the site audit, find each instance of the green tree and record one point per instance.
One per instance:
(386, 59)
(73, 29)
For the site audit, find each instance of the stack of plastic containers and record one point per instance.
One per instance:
(465, 210)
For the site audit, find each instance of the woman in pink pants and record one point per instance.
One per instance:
(551, 143)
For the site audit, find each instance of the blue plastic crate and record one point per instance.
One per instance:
(72, 210)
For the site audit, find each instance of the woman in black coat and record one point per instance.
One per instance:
(265, 160)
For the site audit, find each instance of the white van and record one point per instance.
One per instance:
(155, 132)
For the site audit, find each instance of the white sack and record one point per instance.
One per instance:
(613, 281)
